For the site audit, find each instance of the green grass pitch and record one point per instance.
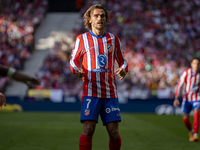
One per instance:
(61, 131)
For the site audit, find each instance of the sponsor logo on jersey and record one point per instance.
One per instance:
(102, 60)
(101, 70)
(108, 110)
(196, 104)
(87, 112)
(115, 109)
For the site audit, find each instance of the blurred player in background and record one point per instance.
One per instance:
(190, 81)
(98, 50)
(18, 76)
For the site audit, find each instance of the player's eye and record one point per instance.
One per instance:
(102, 16)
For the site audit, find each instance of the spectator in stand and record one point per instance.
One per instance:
(161, 37)
(18, 21)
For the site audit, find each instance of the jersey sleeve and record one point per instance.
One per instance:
(119, 55)
(76, 55)
(180, 84)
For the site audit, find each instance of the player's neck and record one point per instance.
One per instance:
(98, 32)
(195, 70)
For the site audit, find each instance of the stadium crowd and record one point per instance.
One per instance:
(158, 37)
(18, 21)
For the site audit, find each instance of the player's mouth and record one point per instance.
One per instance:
(100, 23)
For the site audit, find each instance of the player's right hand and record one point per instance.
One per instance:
(79, 73)
(176, 102)
(2, 100)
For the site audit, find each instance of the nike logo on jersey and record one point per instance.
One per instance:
(91, 48)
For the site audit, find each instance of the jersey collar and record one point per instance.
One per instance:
(96, 35)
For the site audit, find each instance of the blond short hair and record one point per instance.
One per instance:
(88, 13)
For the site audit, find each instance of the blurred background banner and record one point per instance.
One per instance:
(55, 95)
(39, 94)
(73, 104)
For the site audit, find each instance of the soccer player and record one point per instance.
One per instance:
(98, 50)
(190, 81)
(18, 76)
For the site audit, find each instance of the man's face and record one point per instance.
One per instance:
(195, 65)
(98, 19)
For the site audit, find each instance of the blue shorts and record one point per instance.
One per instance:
(108, 108)
(188, 106)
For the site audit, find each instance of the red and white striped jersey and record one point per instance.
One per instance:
(98, 55)
(190, 82)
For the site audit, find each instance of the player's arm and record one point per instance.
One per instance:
(122, 62)
(18, 76)
(176, 102)
(75, 58)
(28, 80)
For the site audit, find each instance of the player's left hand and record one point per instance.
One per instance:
(121, 73)
(32, 82)
(176, 102)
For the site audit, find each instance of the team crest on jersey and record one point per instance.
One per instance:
(110, 48)
(87, 112)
